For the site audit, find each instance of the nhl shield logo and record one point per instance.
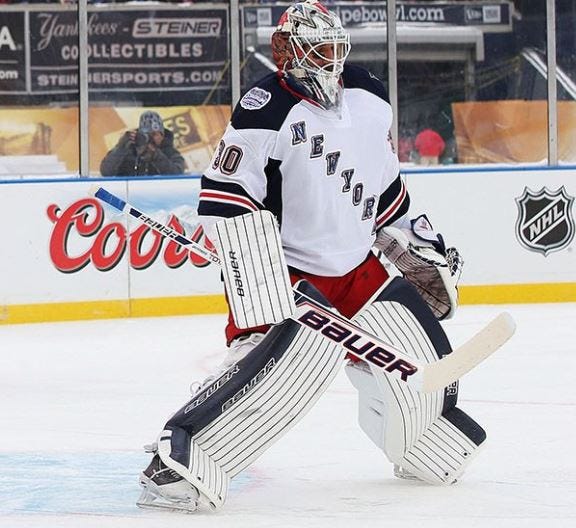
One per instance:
(545, 221)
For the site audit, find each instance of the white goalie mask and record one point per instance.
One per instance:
(311, 45)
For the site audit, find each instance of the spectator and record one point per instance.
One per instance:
(147, 151)
(430, 146)
(405, 149)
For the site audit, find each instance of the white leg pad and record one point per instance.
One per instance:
(204, 473)
(262, 404)
(371, 407)
(239, 436)
(441, 454)
(408, 425)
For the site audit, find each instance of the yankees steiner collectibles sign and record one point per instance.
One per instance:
(545, 222)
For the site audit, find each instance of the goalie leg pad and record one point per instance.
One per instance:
(445, 449)
(254, 269)
(414, 429)
(225, 427)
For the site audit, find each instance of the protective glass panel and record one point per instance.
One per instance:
(470, 86)
(566, 80)
(159, 79)
(38, 91)
(257, 25)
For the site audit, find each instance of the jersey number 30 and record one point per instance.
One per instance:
(227, 158)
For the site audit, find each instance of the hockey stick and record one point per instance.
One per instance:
(422, 377)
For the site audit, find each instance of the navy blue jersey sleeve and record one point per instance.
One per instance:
(394, 202)
(265, 106)
(357, 77)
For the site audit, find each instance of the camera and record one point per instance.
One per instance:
(142, 139)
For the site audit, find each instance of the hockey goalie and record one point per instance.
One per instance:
(304, 193)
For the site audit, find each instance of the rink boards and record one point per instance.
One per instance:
(66, 257)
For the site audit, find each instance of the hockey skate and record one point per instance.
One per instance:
(404, 474)
(164, 488)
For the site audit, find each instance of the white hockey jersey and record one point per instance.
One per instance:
(331, 180)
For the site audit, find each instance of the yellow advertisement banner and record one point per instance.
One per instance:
(511, 131)
(55, 131)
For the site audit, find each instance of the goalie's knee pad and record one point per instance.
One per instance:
(422, 432)
(229, 423)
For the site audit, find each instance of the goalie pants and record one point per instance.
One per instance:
(348, 293)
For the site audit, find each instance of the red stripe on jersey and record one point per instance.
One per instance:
(389, 212)
(224, 197)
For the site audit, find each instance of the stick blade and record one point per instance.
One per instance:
(467, 356)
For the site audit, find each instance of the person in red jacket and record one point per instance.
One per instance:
(430, 146)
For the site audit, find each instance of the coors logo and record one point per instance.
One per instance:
(545, 221)
(106, 243)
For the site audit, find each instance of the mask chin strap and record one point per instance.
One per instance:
(330, 88)
(327, 94)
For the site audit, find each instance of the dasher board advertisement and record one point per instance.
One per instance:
(68, 256)
(13, 42)
(69, 249)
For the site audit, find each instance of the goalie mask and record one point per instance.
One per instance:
(311, 45)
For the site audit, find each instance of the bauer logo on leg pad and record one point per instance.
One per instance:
(250, 385)
(211, 389)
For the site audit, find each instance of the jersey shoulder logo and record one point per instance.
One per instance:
(255, 99)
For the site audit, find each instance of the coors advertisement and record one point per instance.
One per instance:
(109, 241)
(131, 50)
(85, 233)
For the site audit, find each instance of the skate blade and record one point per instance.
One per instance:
(152, 499)
(161, 505)
(401, 473)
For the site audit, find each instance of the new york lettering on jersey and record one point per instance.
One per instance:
(312, 168)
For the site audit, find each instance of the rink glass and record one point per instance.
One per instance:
(473, 72)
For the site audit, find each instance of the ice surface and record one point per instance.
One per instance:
(78, 400)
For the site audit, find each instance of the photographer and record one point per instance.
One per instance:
(144, 152)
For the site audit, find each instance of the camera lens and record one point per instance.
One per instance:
(142, 139)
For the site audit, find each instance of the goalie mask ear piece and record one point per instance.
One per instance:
(281, 50)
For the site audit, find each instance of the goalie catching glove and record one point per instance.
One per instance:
(421, 256)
